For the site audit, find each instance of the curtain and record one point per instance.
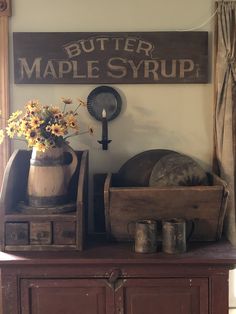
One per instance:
(225, 106)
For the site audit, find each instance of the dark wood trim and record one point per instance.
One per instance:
(215, 167)
(4, 79)
(217, 284)
(5, 8)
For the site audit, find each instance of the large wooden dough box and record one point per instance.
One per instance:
(206, 205)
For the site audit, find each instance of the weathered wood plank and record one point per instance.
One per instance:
(203, 204)
(112, 58)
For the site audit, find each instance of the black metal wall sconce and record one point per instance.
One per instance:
(104, 104)
(104, 141)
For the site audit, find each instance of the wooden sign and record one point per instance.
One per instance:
(111, 58)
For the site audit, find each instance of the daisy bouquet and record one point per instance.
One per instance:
(43, 126)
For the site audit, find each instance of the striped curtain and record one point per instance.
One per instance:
(225, 124)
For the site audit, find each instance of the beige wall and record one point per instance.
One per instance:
(177, 117)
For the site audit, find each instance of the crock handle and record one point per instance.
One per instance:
(70, 169)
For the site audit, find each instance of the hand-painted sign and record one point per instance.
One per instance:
(111, 58)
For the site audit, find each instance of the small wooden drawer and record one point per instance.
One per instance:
(64, 232)
(17, 233)
(40, 233)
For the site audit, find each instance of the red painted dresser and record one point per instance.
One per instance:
(111, 279)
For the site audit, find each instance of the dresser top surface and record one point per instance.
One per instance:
(207, 253)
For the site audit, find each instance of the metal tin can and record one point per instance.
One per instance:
(174, 236)
(145, 237)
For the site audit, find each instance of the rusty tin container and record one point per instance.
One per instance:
(174, 238)
(145, 236)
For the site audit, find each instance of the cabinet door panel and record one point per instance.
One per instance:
(166, 296)
(63, 296)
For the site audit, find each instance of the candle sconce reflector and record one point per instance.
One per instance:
(104, 104)
(104, 97)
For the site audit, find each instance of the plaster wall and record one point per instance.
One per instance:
(171, 116)
(177, 117)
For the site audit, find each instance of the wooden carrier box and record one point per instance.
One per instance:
(25, 229)
(205, 205)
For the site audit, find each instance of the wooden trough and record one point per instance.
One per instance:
(206, 205)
